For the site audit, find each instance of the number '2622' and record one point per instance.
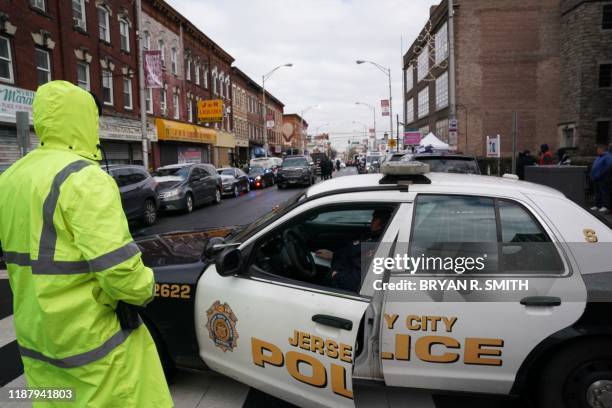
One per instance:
(172, 290)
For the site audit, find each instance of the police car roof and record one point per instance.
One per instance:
(445, 182)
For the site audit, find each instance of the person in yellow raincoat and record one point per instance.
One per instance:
(71, 259)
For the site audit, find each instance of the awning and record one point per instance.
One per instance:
(184, 132)
(225, 139)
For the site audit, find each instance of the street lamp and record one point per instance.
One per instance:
(263, 97)
(373, 114)
(386, 71)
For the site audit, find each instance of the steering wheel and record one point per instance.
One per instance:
(299, 258)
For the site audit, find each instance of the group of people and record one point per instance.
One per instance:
(327, 167)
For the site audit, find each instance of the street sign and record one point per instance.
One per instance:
(384, 104)
(372, 132)
(493, 146)
(412, 138)
(210, 110)
(452, 124)
(452, 137)
(269, 119)
(391, 143)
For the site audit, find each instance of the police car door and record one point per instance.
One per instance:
(475, 338)
(292, 339)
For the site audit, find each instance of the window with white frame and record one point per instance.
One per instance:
(43, 66)
(227, 88)
(188, 69)
(163, 106)
(83, 75)
(174, 60)
(441, 42)
(162, 51)
(39, 4)
(423, 102)
(127, 93)
(220, 86)
(424, 130)
(423, 63)
(104, 24)
(146, 41)
(176, 107)
(442, 91)
(78, 14)
(197, 74)
(409, 77)
(107, 87)
(149, 100)
(124, 35)
(189, 110)
(6, 60)
(205, 78)
(410, 110)
(214, 81)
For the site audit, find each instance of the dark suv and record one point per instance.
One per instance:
(296, 170)
(138, 192)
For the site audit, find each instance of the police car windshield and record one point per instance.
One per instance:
(267, 218)
(181, 172)
(295, 162)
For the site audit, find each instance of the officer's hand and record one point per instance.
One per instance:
(324, 254)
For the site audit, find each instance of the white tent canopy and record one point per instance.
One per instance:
(433, 141)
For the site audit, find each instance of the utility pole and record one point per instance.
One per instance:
(451, 66)
(514, 140)
(141, 88)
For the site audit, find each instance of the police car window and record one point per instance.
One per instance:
(526, 248)
(344, 217)
(453, 227)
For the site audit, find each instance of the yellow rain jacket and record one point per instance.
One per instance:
(70, 259)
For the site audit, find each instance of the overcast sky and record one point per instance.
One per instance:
(322, 38)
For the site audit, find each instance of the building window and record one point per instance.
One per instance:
(6, 60)
(606, 19)
(227, 88)
(603, 132)
(442, 129)
(162, 51)
(162, 100)
(39, 4)
(409, 77)
(568, 137)
(83, 75)
(78, 14)
(423, 102)
(107, 87)
(442, 91)
(410, 110)
(214, 82)
(174, 61)
(104, 24)
(441, 42)
(43, 66)
(127, 93)
(149, 100)
(146, 41)
(124, 35)
(189, 110)
(605, 75)
(424, 130)
(197, 74)
(176, 105)
(423, 63)
(205, 79)
(188, 69)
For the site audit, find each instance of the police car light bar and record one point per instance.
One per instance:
(404, 173)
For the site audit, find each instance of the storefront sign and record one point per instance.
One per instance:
(412, 138)
(13, 100)
(189, 155)
(210, 110)
(242, 143)
(493, 146)
(124, 129)
(153, 69)
(183, 132)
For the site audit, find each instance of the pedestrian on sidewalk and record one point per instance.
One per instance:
(600, 175)
(524, 159)
(546, 156)
(73, 265)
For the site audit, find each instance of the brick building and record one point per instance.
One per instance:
(586, 75)
(274, 112)
(194, 68)
(92, 45)
(239, 114)
(507, 58)
(295, 143)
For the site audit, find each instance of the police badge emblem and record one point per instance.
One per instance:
(221, 326)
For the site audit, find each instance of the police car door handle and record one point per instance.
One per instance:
(333, 321)
(541, 301)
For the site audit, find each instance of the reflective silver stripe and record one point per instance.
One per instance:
(101, 263)
(17, 258)
(84, 358)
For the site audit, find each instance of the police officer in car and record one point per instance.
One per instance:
(346, 261)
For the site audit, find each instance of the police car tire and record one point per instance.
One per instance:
(565, 380)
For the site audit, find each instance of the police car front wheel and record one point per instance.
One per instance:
(580, 376)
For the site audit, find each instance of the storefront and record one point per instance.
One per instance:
(242, 150)
(182, 143)
(121, 139)
(224, 149)
(13, 100)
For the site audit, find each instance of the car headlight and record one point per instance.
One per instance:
(170, 193)
(258, 178)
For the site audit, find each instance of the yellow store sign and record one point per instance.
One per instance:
(184, 132)
(210, 110)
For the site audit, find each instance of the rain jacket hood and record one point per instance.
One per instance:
(66, 118)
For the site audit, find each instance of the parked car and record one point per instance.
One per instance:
(261, 177)
(296, 170)
(185, 186)
(372, 163)
(446, 162)
(234, 181)
(138, 192)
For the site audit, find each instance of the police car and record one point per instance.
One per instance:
(263, 304)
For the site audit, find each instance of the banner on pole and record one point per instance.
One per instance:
(153, 69)
(412, 138)
(384, 104)
(372, 133)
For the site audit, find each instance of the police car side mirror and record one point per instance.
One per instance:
(228, 262)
